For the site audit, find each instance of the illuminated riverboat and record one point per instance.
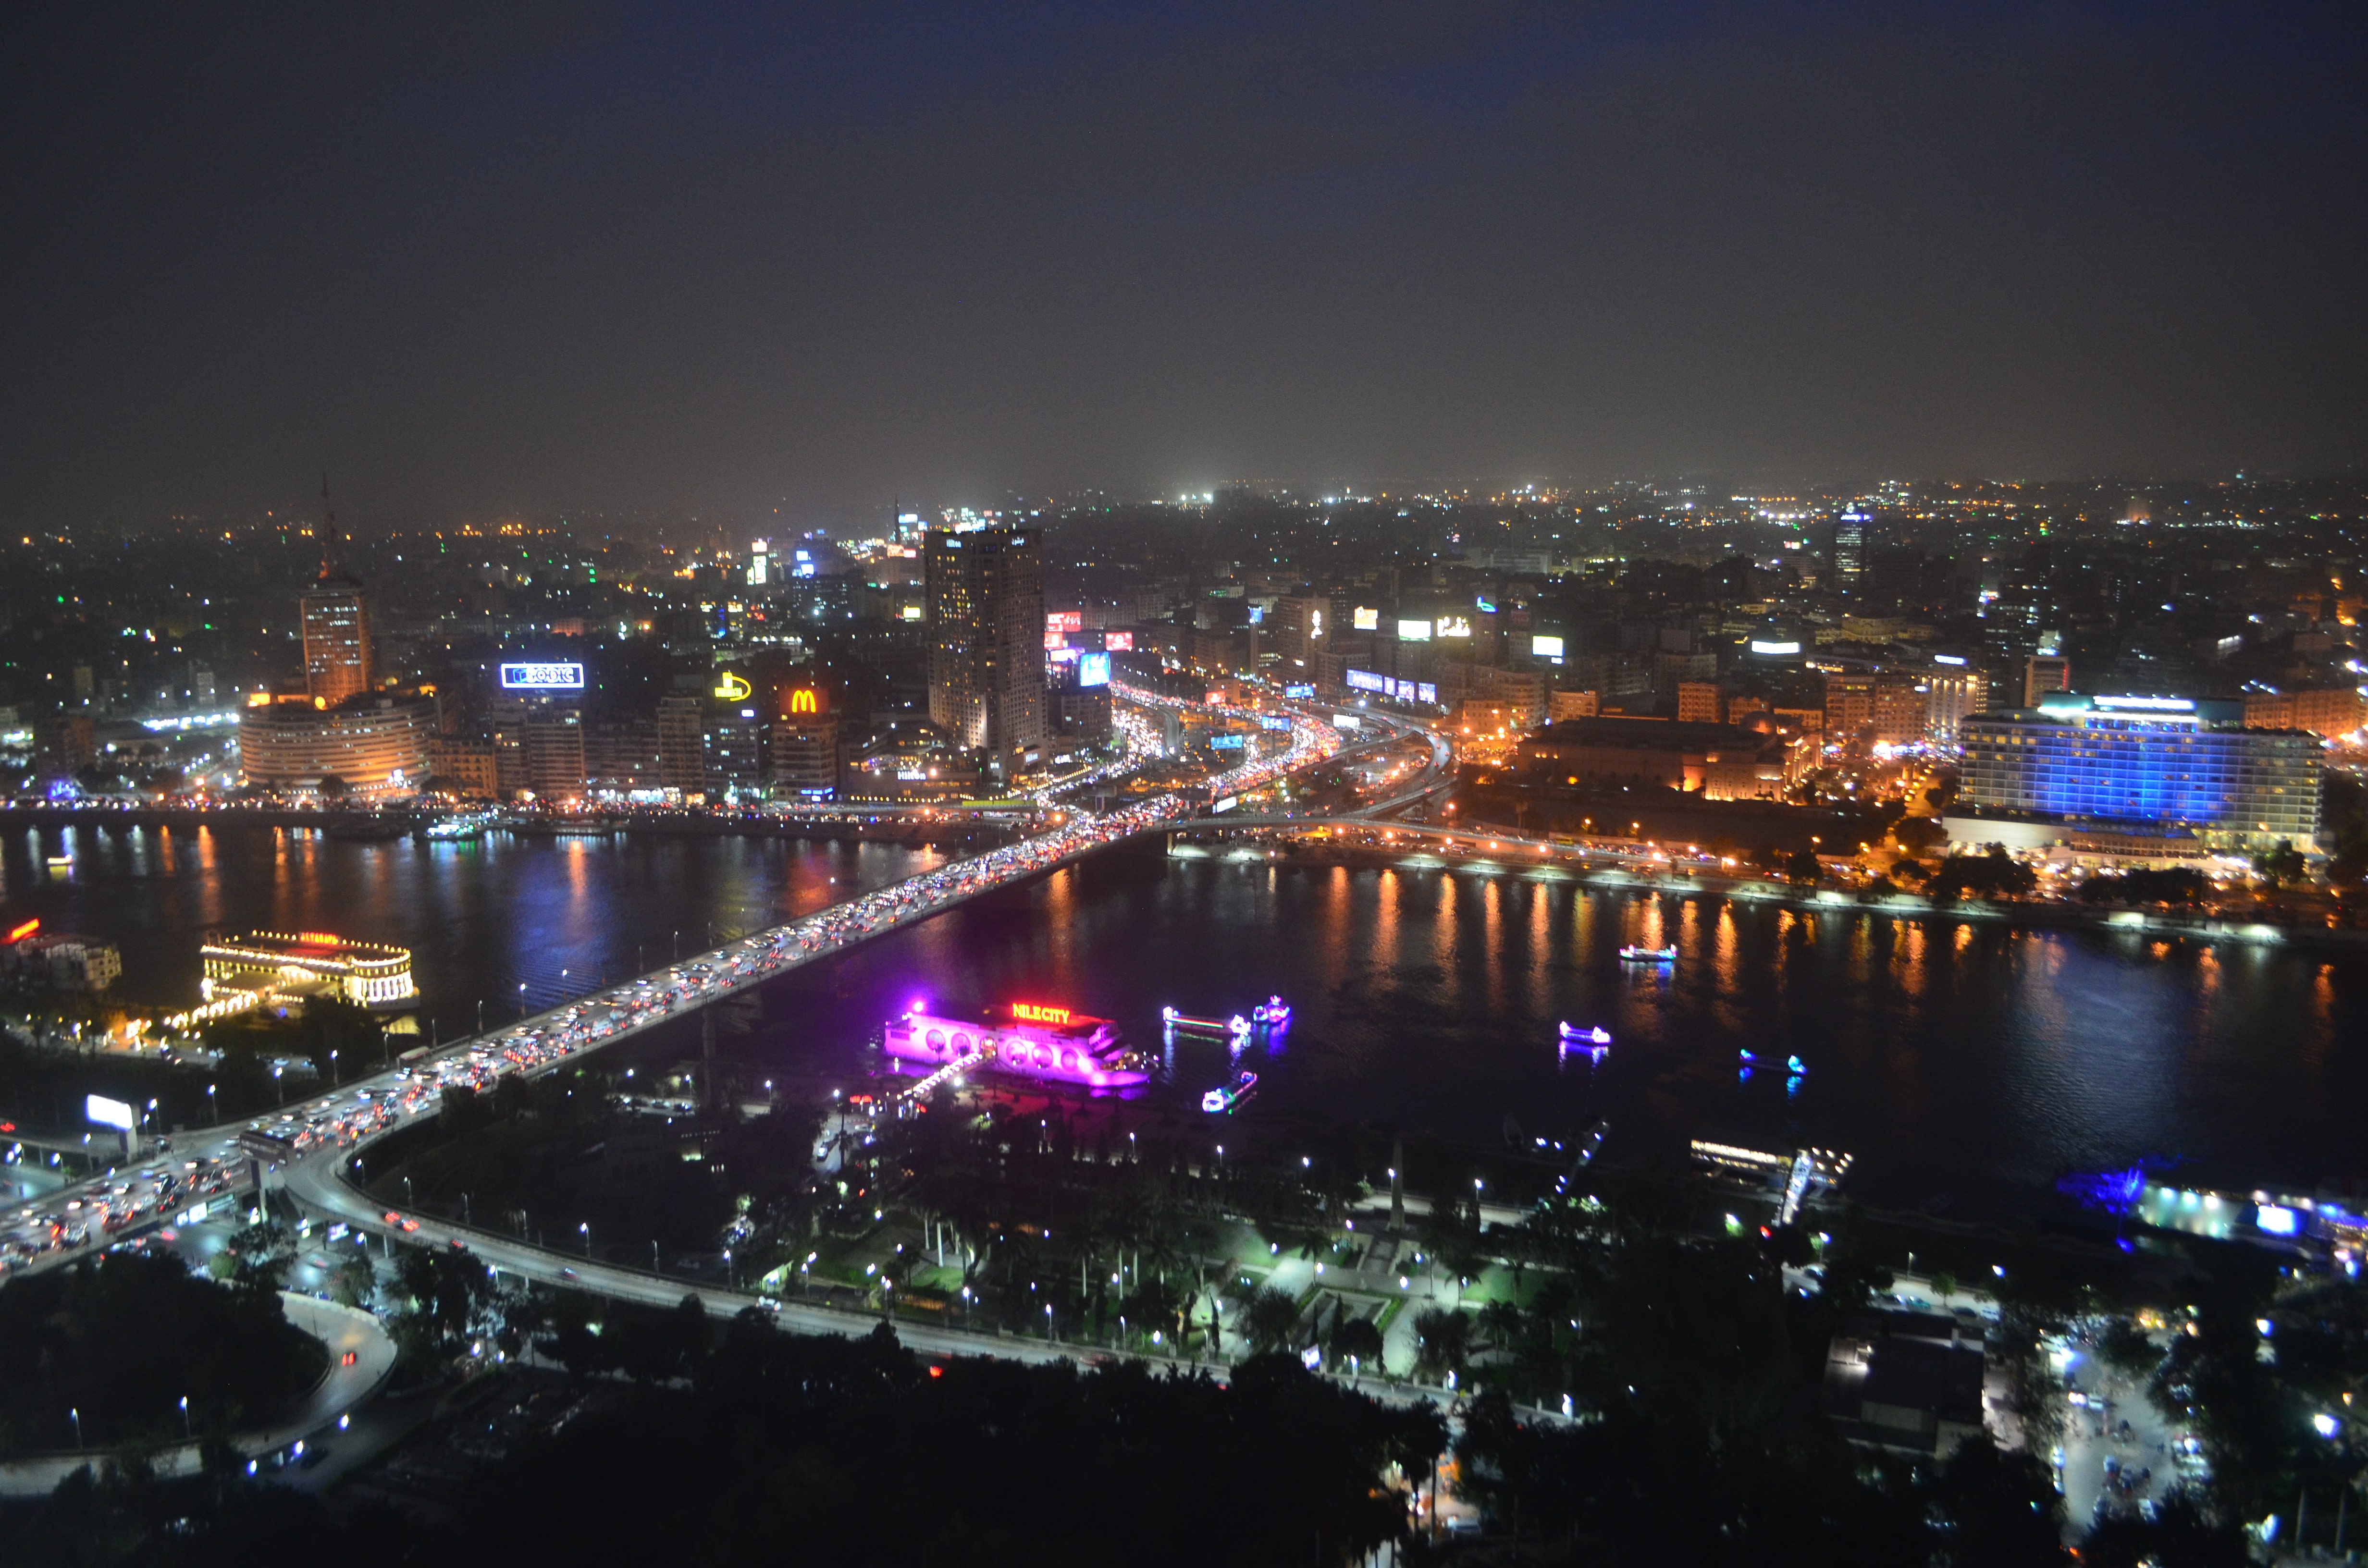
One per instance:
(370, 974)
(1031, 1040)
(1218, 1101)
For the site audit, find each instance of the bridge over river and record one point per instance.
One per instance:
(313, 1144)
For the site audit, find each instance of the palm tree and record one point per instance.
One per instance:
(1443, 1339)
(1503, 1323)
(1269, 1317)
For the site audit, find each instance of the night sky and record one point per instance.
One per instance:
(731, 259)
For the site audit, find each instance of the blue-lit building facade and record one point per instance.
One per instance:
(2153, 765)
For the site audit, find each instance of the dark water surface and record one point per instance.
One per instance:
(1973, 1062)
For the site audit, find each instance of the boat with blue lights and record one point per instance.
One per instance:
(1649, 955)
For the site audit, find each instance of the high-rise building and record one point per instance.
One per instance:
(336, 640)
(2043, 674)
(622, 754)
(1699, 702)
(1953, 692)
(682, 744)
(1301, 623)
(1849, 552)
(732, 758)
(1873, 708)
(463, 766)
(803, 750)
(985, 599)
(2153, 765)
(2323, 710)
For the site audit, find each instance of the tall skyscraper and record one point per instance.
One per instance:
(986, 598)
(337, 626)
(1849, 552)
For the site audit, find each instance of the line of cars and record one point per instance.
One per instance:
(349, 1116)
(98, 1211)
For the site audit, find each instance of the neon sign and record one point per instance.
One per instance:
(803, 701)
(542, 677)
(327, 938)
(26, 929)
(1034, 1012)
(732, 687)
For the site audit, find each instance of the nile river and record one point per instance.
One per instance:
(1961, 1063)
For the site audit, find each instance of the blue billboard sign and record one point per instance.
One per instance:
(1093, 668)
(542, 677)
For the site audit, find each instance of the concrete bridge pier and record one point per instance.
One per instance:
(709, 1095)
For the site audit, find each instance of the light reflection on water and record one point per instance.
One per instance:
(1971, 1062)
(1949, 1058)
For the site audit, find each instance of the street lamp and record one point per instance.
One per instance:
(521, 999)
(333, 1070)
(76, 1414)
(586, 1229)
(281, 1084)
(185, 1418)
(408, 1201)
(213, 1109)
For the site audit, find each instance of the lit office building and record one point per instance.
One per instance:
(336, 639)
(1953, 692)
(1299, 622)
(2162, 766)
(733, 756)
(374, 745)
(985, 600)
(803, 759)
(538, 748)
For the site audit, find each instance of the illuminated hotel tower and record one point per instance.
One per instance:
(336, 627)
(985, 591)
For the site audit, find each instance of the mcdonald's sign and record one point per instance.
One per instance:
(804, 700)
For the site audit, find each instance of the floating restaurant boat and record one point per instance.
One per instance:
(1793, 1064)
(1040, 1043)
(1217, 1102)
(1649, 955)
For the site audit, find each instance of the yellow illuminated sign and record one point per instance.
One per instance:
(732, 687)
(803, 702)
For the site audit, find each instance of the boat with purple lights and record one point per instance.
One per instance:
(1031, 1040)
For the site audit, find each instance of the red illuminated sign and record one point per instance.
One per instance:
(26, 929)
(1118, 641)
(1030, 1013)
(1066, 621)
(326, 938)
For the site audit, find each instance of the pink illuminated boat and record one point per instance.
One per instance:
(1031, 1040)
